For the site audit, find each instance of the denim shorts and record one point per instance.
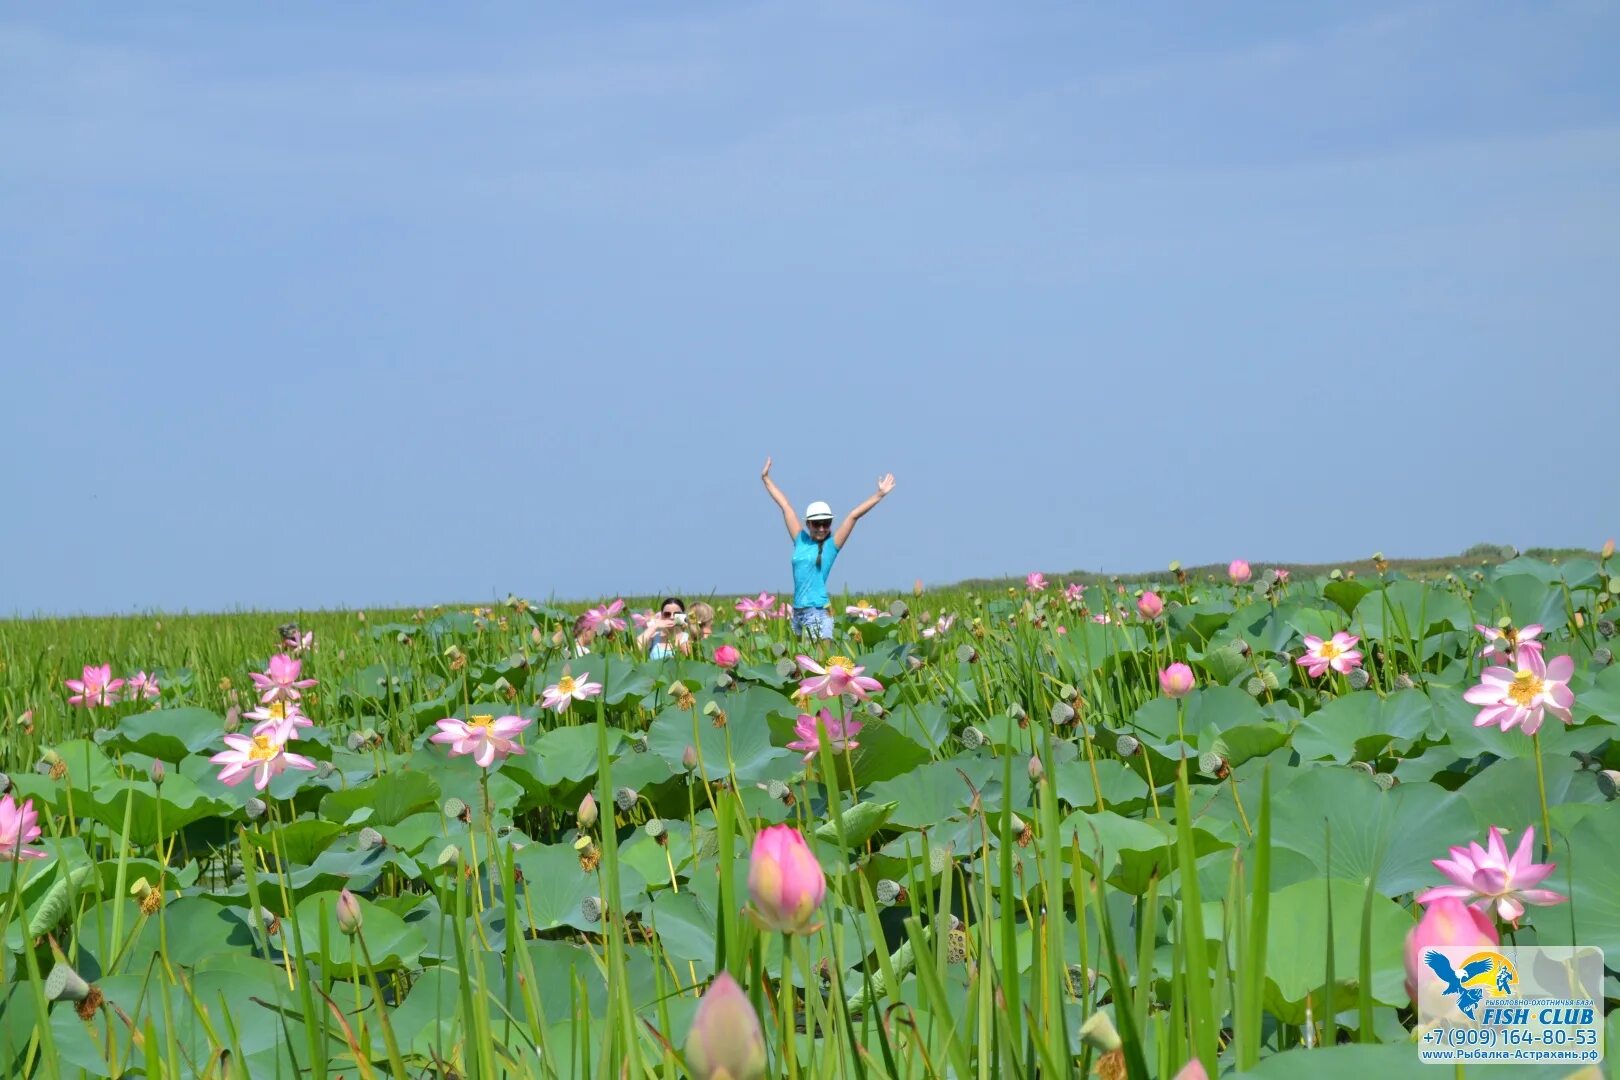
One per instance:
(817, 622)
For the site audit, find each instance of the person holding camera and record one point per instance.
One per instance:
(666, 631)
(815, 548)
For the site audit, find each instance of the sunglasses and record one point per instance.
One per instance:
(819, 524)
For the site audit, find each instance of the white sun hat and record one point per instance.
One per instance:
(818, 511)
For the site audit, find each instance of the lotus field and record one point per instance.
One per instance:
(1185, 827)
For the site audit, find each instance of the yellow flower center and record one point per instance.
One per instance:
(842, 663)
(483, 720)
(1327, 650)
(278, 710)
(1525, 688)
(263, 748)
(566, 684)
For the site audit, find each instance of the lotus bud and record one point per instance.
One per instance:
(1608, 782)
(785, 882)
(456, 809)
(157, 772)
(727, 656)
(689, 758)
(1446, 921)
(590, 909)
(890, 892)
(1150, 605)
(1177, 680)
(1127, 746)
(348, 913)
(1608, 549)
(1359, 679)
(585, 817)
(1036, 769)
(370, 838)
(625, 798)
(233, 719)
(255, 808)
(1403, 681)
(972, 737)
(726, 1041)
(1099, 1033)
(1239, 571)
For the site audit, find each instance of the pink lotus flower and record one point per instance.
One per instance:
(1506, 643)
(97, 687)
(1036, 581)
(840, 734)
(606, 618)
(484, 737)
(1337, 652)
(1149, 605)
(1519, 698)
(1282, 575)
(19, 825)
(567, 690)
(1486, 876)
(141, 685)
(1446, 921)
(863, 611)
(726, 1041)
(756, 609)
(1239, 572)
(299, 643)
(1177, 680)
(784, 610)
(941, 627)
(278, 717)
(281, 681)
(785, 882)
(1075, 593)
(1102, 618)
(1193, 1070)
(264, 756)
(841, 676)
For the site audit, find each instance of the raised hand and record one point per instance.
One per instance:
(765, 473)
(885, 482)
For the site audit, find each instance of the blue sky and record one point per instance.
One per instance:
(314, 305)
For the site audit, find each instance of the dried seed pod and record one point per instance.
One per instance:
(625, 798)
(591, 909)
(786, 667)
(639, 745)
(1606, 627)
(1078, 980)
(956, 947)
(1608, 782)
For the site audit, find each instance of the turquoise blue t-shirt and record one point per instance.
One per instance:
(809, 582)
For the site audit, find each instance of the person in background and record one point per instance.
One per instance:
(701, 621)
(666, 631)
(815, 549)
(584, 634)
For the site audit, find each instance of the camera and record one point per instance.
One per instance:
(679, 617)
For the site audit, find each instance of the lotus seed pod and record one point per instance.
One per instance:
(1336, 574)
(1385, 780)
(1209, 763)
(270, 921)
(1018, 825)
(1606, 627)
(898, 609)
(778, 649)
(875, 709)
(1127, 746)
(324, 770)
(448, 855)
(639, 744)
(967, 654)
(1016, 711)
(1403, 681)
(1062, 713)
(625, 798)
(1602, 657)
(785, 667)
(915, 663)
(1079, 980)
(1608, 782)
(1587, 760)
(455, 808)
(888, 892)
(590, 909)
(972, 737)
(1363, 767)
(255, 808)
(354, 741)
(370, 838)
(778, 790)
(956, 947)
(1099, 1033)
(348, 913)
(585, 817)
(1036, 769)
(1359, 678)
(1255, 686)
(5, 783)
(65, 984)
(655, 828)
(938, 860)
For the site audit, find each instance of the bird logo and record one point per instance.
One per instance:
(1468, 997)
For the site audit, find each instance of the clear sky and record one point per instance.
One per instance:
(364, 304)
